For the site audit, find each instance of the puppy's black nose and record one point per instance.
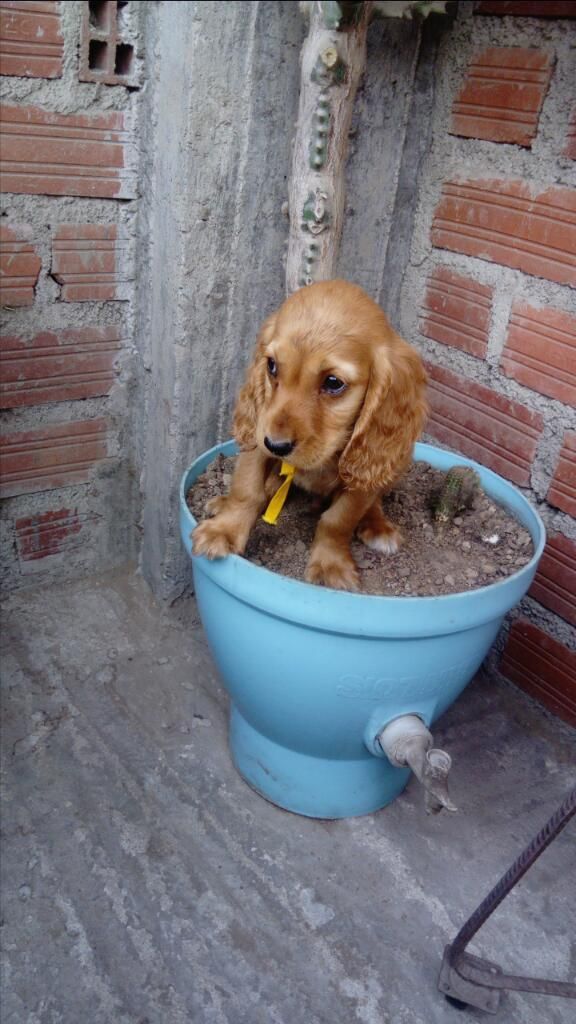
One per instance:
(281, 448)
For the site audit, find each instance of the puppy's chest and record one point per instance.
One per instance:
(318, 481)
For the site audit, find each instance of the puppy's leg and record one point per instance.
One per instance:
(273, 480)
(331, 562)
(227, 533)
(271, 485)
(215, 505)
(377, 532)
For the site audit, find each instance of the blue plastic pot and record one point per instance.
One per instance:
(314, 674)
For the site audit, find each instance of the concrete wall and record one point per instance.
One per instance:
(219, 117)
(391, 137)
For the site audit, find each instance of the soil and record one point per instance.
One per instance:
(482, 545)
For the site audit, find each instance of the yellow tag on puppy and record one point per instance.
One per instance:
(277, 501)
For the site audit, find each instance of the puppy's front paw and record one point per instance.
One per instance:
(214, 539)
(333, 569)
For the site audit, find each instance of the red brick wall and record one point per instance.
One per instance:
(67, 237)
(494, 265)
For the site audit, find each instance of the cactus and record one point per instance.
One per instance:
(333, 60)
(315, 220)
(315, 215)
(460, 487)
(329, 63)
(408, 8)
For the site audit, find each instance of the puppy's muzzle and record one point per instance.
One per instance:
(280, 448)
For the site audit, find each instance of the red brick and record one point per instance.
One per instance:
(540, 351)
(104, 55)
(488, 427)
(554, 585)
(31, 44)
(528, 8)
(57, 366)
(502, 96)
(542, 667)
(44, 153)
(85, 262)
(570, 150)
(50, 533)
(54, 456)
(503, 222)
(562, 492)
(19, 265)
(456, 311)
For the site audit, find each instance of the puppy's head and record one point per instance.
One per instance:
(331, 378)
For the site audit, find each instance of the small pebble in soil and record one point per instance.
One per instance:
(429, 562)
(491, 538)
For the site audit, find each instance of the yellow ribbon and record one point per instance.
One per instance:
(277, 501)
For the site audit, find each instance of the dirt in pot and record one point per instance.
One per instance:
(481, 544)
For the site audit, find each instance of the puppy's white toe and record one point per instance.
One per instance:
(385, 543)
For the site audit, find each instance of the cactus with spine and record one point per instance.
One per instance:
(333, 61)
(460, 487)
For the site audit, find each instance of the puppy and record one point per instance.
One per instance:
(335, 392)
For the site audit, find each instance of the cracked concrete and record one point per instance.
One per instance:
(145, 883)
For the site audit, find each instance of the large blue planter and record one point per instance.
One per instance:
(315, 674)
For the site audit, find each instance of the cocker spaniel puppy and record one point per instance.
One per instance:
(336, 393)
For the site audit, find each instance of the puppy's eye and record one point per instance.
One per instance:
(272, 368)
(333, 385)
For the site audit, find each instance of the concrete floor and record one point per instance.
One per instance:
(145, 883)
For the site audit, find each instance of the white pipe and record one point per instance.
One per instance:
(408, 743)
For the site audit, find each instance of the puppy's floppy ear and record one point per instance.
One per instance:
(251, 398)
(390, 420)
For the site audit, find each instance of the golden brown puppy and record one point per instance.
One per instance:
(334, 391)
